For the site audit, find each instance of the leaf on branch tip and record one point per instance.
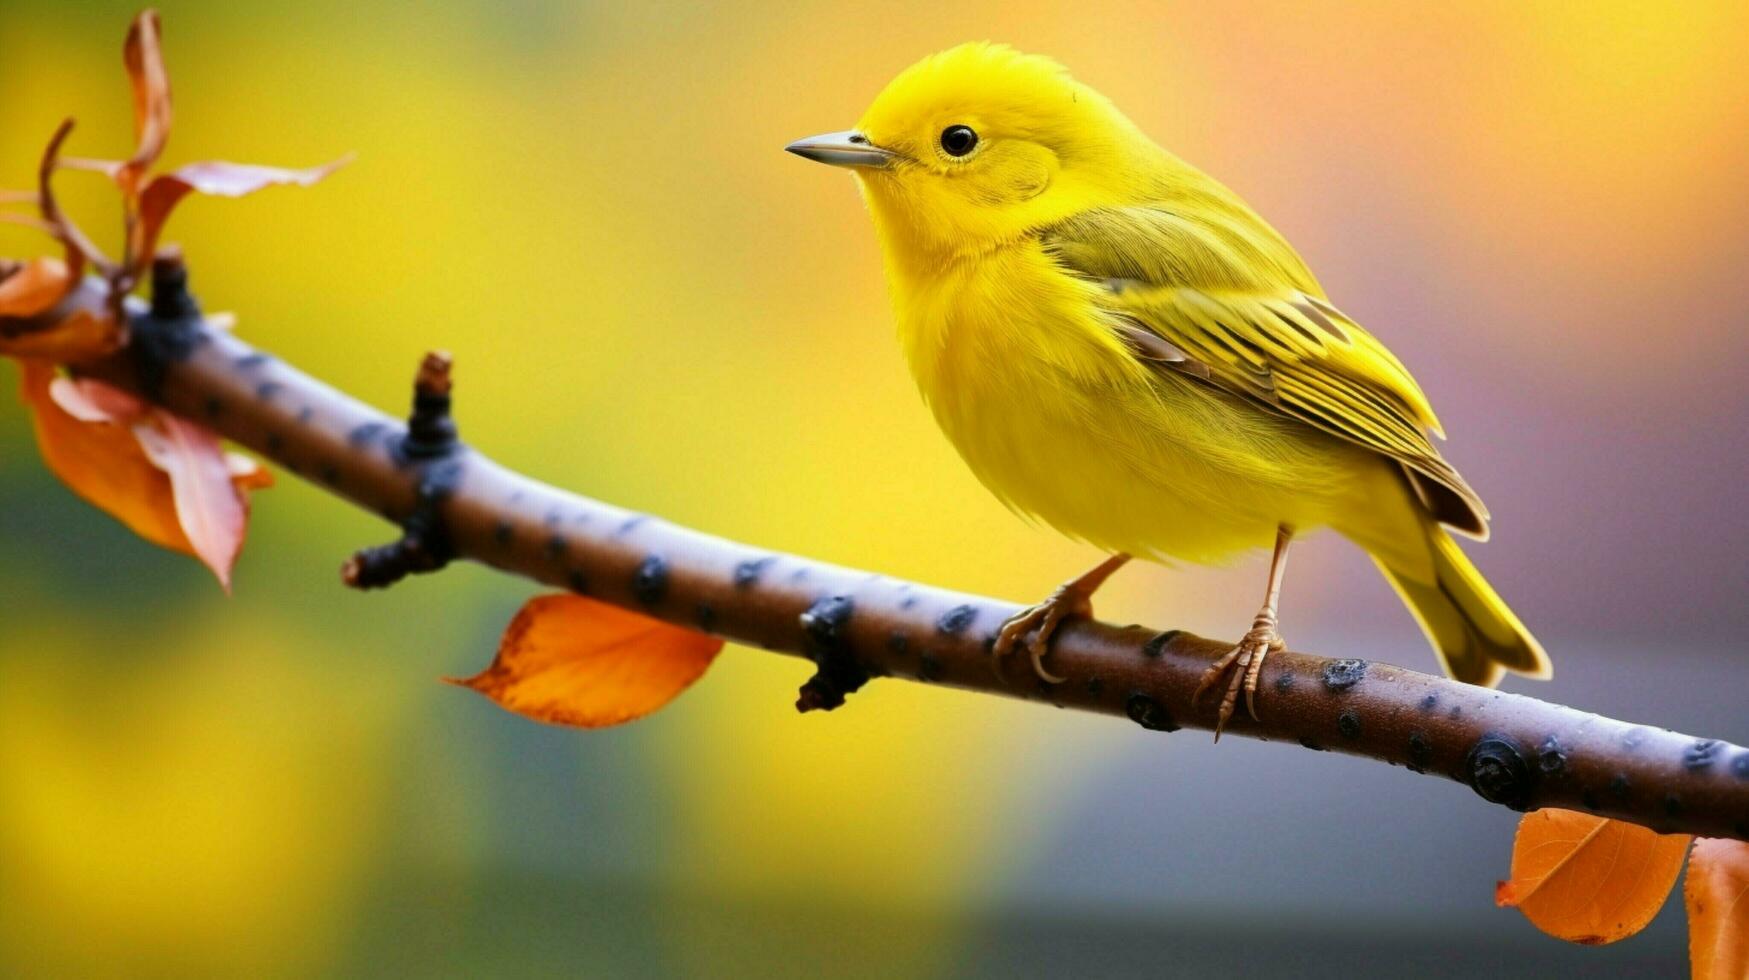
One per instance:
(1588, 879)
(169, 480)
(568, 660)
(1716, 891)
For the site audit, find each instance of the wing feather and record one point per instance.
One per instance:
(1187, 304)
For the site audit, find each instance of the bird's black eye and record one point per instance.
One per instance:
(958, 140)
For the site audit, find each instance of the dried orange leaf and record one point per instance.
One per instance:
(1716, 891)
(93, 401)
(568, 660)
(144, 56)
(1587, 879)
(168, 480)
(103, 463)
(35, 287)
(80, 336)
(215, 177)
(210, 507)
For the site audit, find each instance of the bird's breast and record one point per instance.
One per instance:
(1054, 416)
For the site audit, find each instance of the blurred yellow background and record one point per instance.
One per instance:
(1541, 207)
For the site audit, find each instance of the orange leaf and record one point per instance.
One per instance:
(102, 462)
(1587, 879)
(567, 660)
(214, 177)
(1716, 891)
(35, 287)
(168, 480)
(210, 508)
(144, 57)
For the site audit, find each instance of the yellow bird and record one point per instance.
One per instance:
(1117, 345)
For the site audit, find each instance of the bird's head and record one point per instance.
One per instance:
(977, 146)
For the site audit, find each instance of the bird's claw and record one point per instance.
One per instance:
(1041, 622)
(1245, 661)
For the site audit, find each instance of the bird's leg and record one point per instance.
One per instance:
(1246, 660)
(1072, 600)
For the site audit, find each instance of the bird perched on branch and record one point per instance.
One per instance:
(1118, 345)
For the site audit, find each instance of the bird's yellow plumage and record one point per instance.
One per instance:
(1119, 346)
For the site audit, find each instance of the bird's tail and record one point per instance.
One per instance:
(1477, 636)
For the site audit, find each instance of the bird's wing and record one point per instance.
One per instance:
(1205, 302)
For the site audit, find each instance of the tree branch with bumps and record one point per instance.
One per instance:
(452, 501)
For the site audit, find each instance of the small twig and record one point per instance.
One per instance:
(1510, 749)
(429, 446)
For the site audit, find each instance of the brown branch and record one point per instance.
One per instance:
(1512, 750)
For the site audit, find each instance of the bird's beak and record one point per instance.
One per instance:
(846, 149)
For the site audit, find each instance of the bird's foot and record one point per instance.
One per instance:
(1035, 625)
(1245, 662)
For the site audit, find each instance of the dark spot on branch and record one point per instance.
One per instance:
(275, 443)
(1740, 765)
(267, 389)
(249, 362)
(956, 619)
(553, 518)
(1497, 771)
(631, 524)
(501, 534)
(1149, 713)
(1672, 805)
(331, 474)
(1156, 646)
(363, 436)
(650, 583)
(799, 574)
(1590, 800)
(1095, 686)
(705, 615)
(908, 602)
(305, 414)
(1701, 754)
(1420, 751)
(1314, 746)
(578, 582)
(556, 546)
(213, 407)
(1348, 723)
(1284, 682)
(898, 644)
(1456, 712)
(1619, 787)
(928, 668)
(1551, 758)
(1340, 675)
(748, 572)
(826, 622)
(1430, 702)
